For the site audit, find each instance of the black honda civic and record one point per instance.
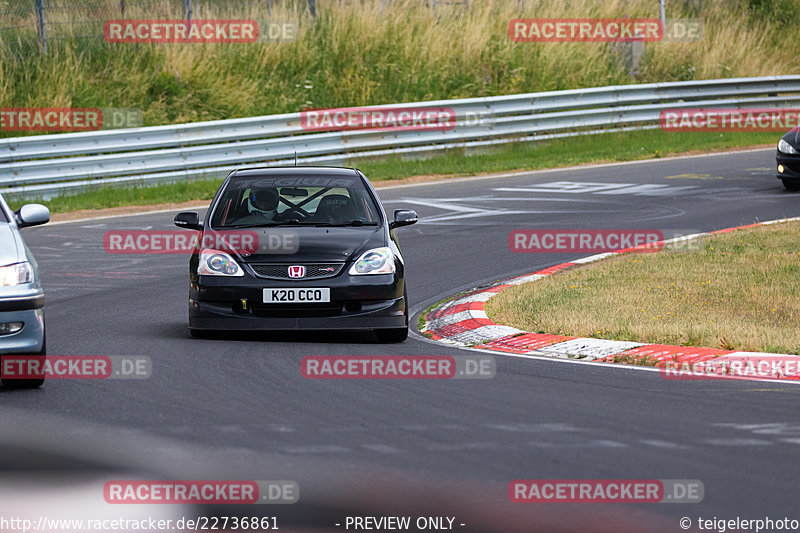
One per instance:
(287, 248)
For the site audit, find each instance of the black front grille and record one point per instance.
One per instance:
(281, 270)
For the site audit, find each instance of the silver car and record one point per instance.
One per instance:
(21, 295)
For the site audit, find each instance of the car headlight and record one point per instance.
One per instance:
(217, 263)
(786, 148)
(375, 261)
(16, 274)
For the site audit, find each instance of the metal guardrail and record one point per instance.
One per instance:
(52, 164)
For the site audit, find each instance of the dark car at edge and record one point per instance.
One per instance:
(788, 160)
(22, 330)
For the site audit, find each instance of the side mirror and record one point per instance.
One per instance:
(32, 215)
(403, 217)
(188, 220)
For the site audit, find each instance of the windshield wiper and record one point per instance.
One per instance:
(295, 222)
(345, 224)
(290, 222)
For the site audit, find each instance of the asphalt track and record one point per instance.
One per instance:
(239, 408)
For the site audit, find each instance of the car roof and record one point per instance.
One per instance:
(293, 171)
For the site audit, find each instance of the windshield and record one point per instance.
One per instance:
(277, 200)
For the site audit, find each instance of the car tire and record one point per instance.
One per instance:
(791, 185)
(397, 334)
(27, 383)
(392, 335)
(202, 333)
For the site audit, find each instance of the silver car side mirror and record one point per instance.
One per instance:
(32, 215)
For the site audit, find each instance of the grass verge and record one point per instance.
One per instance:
(735, 291)
(610, 147)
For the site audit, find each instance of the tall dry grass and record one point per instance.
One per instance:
(359, 52)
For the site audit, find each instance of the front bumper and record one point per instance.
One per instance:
(30, 339)
(791, 167)
(357, 303)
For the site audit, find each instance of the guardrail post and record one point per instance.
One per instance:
(40, 24)
(629, 54)
(637, 51)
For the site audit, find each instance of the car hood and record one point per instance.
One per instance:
(9, 251)
(313, 245)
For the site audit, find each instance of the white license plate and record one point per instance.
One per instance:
(297, 296)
